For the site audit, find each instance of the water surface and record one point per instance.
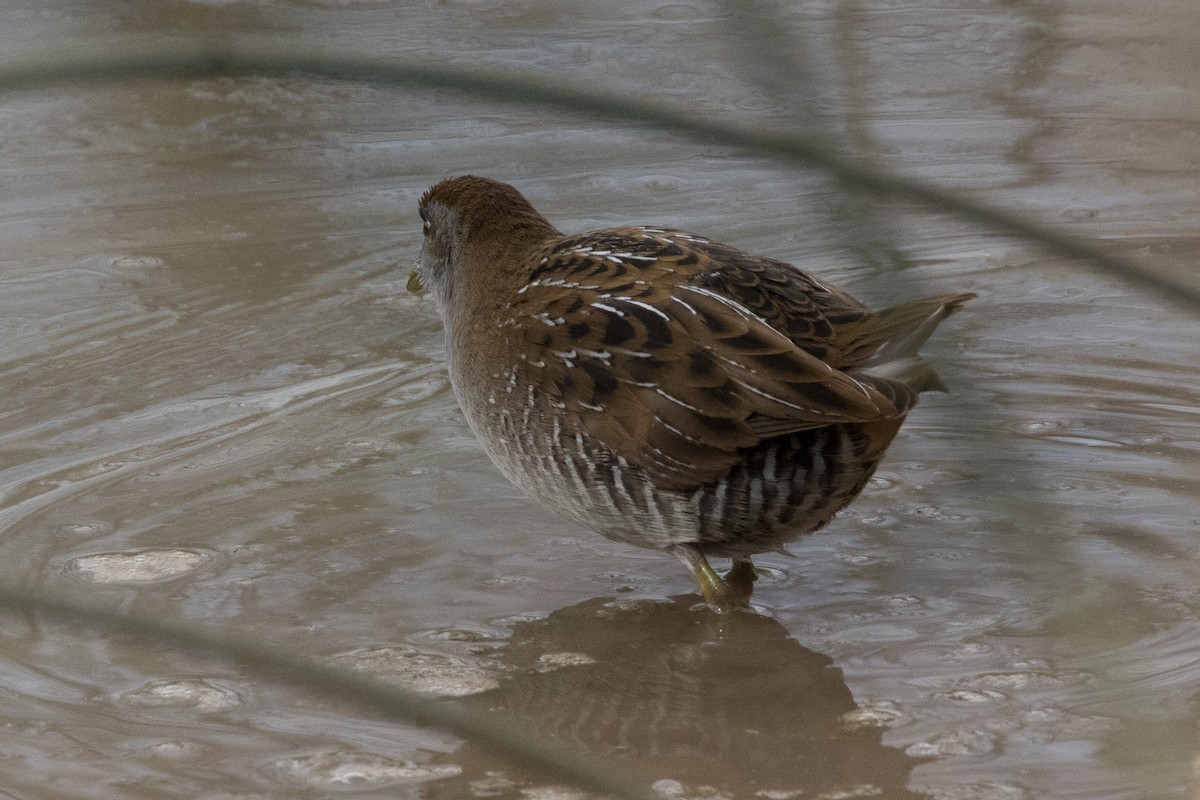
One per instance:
(219, 404)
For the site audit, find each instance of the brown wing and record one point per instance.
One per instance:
(820, 319)
(668, 372)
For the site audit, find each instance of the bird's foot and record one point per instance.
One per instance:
(721, 594)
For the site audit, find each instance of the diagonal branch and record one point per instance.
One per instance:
(519, 745)
(125, 60)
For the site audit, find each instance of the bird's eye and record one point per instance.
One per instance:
(426, 227)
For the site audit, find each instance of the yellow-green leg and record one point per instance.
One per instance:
(717, 591)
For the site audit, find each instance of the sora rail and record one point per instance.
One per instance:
(664, 389)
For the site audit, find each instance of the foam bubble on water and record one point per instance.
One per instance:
(974, 791)
(779, 794)
(849, 792)
(958, 743)
(670, 787)
(418, 671)
(871, 716)
(137, 263)
(554, 793)
(174, 750)
(1085, 441)
(549, 662)
(1039, 427)
(972, 696)
(881, 482)
(90, 528)
(145, 566)
(192, 693)
(350, 770)
(1023, 681)
(969, 649)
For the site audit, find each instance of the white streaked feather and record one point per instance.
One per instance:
(778, 400)
(646, 306)
(676, 431)
(677, 401)
(695, 313)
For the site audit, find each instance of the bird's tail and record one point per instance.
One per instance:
(904, 329)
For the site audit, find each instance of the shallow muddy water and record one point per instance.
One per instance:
(219, 404)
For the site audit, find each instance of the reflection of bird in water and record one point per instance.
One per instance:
(666, 691)
(661, 388)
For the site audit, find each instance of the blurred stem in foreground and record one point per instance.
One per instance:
(112, 61)
(518, 745)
